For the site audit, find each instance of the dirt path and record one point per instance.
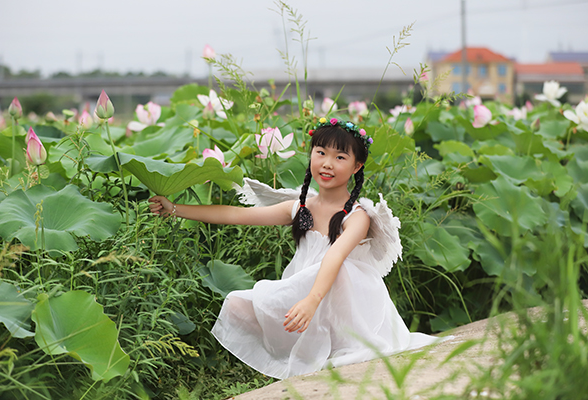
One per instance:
(371, 377)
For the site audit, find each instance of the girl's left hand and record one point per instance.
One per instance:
(301, 314)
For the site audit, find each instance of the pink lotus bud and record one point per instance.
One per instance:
(15, 109)
(208, 112)
(50, 117)
(536, 125)
(36, 153)
(482, 116)
(208, 53)
(104, 107)
(529, 105)
(409, 127)
(86, 120)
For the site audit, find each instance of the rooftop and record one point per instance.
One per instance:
(476, 55)
(567, 56)
(562, 68)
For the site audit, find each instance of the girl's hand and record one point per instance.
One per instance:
(301, 314)
(161, 206)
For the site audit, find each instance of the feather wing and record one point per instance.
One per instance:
(259, 194)
(385, 244)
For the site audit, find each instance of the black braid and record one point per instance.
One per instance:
(337, 219)
(303, 221)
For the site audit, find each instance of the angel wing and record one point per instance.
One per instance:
(385, 244)
(259, 194)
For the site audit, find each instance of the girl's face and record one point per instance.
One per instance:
(331, 167)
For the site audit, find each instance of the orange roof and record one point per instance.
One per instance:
(476, 55)
(568, 68)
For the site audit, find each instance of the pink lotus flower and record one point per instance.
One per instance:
(208, 53)
(529, 106)
(551, 93)
(518, 113)
(396, 111)
(482, 116)
(328, 105)
(215, 103)
(15, 109)
(216, 153)
(104, 107)
(86, 120)
(147, 115)
(357, 108)
(36, 153)
(270, 141)
(409, 127)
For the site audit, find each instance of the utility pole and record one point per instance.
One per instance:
(464, 60)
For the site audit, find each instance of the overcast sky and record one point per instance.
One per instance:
(151, 35)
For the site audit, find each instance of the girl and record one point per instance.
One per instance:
(331, 306)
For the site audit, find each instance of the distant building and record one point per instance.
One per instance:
(489, 75)
(530, 78)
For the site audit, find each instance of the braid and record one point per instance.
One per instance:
(303, 219)
(337, 219)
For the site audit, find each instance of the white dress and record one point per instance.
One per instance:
(356, 321)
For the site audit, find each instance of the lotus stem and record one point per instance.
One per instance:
(13, 146)
(120, 171)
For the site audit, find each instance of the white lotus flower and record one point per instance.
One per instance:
(396, 111)
(328, 105)
(580, 116)
(271, 141)
(216, 103)
(551, 92)
(518, 113)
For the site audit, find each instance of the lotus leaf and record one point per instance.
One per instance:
(224, 278)
(439, 132)
(514, 168)
(438, 247)
(455, 152)
(15, 311)
(506, 208)
(166, 142)
(165, 178)
(65, 212)
(553, 129)
(74, 323)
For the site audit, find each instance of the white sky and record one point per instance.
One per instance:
(150, 35)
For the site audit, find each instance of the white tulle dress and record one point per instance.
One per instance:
(355, 321)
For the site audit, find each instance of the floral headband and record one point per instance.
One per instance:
(348, 126)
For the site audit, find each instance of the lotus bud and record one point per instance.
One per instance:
(208, 53)
(536, 125)
(409, 127)
(15, 109)
(104, 107)
(36, 153)
(50, 117)
(86, 120)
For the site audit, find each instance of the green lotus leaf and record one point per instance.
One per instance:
(166, 178)
(553, 129)
(15, 311)
(516, 169)
(167, 141)
(224, 278)
(580, 203)
(65, 213)
(74, 323)
(496, 149)
(291, 172)
(438, 247)
(455, 152)
(439, 132)
(485, 133)
(478, 173)
(502, 205)
(387, 141)
(189, 93)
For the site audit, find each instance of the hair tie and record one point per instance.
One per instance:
(345, 211)
(302, 205)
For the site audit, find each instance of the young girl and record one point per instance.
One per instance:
(331, 306)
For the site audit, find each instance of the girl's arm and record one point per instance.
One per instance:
(278, 214)
(355, 229)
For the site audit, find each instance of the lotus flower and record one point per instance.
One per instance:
(216, 153)
(396, 111)
(216, 103)
(36, 153)
(86, 120)
(270, 141)
(409, 127)
(518, 113)
(147, 115)
(15, 109)
(482, 116)
(472, 101)
(529, 106)
(551, 92)
(328, 105)
(208, 53)
(580, 116)
(104, 107)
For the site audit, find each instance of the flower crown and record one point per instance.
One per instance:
(348, 126)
